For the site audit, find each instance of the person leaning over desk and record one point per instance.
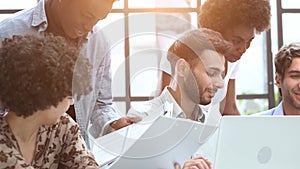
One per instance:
(76, 21)
(238, 21)
(36, 90)
(197, 63)
(287, 77)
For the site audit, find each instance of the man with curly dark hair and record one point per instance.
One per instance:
(36, 90)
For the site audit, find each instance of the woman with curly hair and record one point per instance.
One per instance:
(238, 21)
(36, 90)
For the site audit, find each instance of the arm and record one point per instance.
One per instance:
(104, 118)
(229, 103)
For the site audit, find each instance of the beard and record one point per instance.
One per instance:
(190, 87)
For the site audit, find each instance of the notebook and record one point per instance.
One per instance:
(258, 142)
(166, 141)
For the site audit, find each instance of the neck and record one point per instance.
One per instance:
(24, 129)
(54, 25)
(182, 99)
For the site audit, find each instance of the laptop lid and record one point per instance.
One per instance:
(258, 142)
(166, 141)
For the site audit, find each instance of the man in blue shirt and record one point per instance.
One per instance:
(76, 21)
(287, 77)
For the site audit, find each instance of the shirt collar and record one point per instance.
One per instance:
(166, 97)
(279, 110)
(39, 17)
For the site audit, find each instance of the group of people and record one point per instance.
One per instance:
(55, 52)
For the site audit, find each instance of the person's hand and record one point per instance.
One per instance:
(195, 163)
(124, 121)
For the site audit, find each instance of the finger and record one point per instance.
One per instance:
(202, 164)
(177, 166)
(134, 119)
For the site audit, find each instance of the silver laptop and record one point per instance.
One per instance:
(258, 142)
(166, 141)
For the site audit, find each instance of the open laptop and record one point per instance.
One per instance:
(166, 141)
(258, 142)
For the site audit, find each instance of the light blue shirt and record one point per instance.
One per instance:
(276, 111)
(98, 104)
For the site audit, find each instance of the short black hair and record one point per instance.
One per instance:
(37, 72)
(192, 43)
(284, 57)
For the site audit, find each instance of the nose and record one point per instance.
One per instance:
(219, 82)
(242, 48)
(71, 101)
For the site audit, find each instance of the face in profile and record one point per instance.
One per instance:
(77, 17)
(290, 84)
(53, 113)
(205, 77)
(241, 38)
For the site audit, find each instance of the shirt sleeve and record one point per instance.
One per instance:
(234, 68)
(95, 112)
(74, 152)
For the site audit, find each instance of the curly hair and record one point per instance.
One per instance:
(284, 57)
(192, 43)
(36, 72)
(221, 15)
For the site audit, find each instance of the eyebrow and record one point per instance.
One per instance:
(293, 72)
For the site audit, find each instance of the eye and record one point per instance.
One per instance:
(237, 41)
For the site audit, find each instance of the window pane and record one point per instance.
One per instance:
(118, 70)
(118, 4)
(162, 3)
(143, 71)
(113, 28)
(290, 4)
(3, 16)
(251, 106)
(252, 75)
(290, 29)
(17, 4)
(120, 108)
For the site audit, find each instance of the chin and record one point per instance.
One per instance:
(206, 102)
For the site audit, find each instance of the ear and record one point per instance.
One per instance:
(181, 67)
(278, 80)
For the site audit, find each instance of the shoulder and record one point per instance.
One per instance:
(18, 23)
(269, 112)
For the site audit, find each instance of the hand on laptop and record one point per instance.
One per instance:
(124, 121)
(195, 163)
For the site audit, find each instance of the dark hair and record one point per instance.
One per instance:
(192, 43)
(221, 15)
(37, 72)
(284, 57)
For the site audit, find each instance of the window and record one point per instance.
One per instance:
(135, 32)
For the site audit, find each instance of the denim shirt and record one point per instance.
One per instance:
(98, 104)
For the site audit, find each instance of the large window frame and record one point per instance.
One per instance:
(126, 11)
